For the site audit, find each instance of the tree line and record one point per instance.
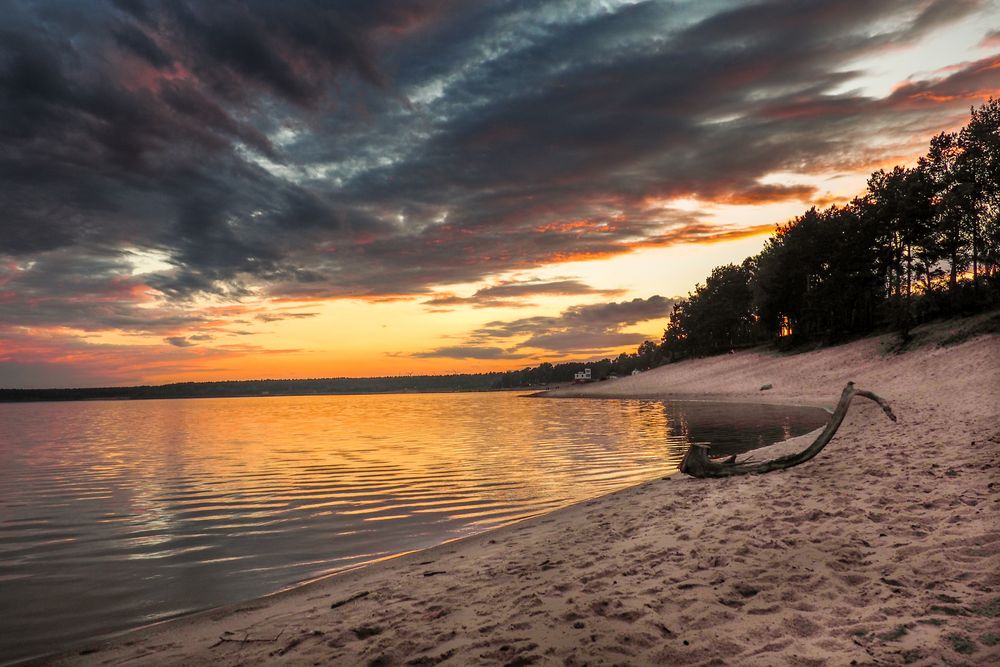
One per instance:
(648, 355)
(920, 243)
(241, 388)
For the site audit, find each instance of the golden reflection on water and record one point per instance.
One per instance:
(113, 514)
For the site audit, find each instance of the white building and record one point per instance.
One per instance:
(582, 376)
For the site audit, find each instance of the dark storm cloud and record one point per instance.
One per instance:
(380, 149)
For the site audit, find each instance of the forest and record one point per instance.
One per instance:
(920, 243)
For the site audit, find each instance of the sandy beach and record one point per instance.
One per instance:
(884, 550)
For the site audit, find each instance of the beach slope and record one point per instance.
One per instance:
(885, 549)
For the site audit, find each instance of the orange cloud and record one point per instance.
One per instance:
(766, 193)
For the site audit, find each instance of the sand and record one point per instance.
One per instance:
(883, 550)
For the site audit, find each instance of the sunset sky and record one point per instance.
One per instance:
(230, 190)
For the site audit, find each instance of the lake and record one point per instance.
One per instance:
(115, 514)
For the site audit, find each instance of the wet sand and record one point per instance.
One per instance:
(885, 549)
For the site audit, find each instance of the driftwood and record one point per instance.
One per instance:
(246, 639)
(356, 596)
(698, 464)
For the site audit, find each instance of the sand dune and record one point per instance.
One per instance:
(883, 550)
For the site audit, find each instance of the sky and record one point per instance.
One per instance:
(234, 190)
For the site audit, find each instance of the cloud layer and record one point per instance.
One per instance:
(580, 330)
(515, 294)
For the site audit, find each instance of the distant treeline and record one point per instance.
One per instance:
(920, 243)
(648, 355)
(234, 388)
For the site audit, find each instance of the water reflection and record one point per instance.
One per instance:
(114, 514)
(732, 428)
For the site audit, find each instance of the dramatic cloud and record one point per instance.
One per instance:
(588, 330)
(157, 154)
(766, 193)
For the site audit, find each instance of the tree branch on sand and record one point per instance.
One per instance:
(698, 464)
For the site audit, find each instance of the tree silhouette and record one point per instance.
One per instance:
(920, 242)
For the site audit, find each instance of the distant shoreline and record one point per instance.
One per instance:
(142, 393)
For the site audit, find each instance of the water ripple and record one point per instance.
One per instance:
(114, 514)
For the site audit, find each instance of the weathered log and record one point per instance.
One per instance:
(698, 464)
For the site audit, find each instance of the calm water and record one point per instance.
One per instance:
(116, 514)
